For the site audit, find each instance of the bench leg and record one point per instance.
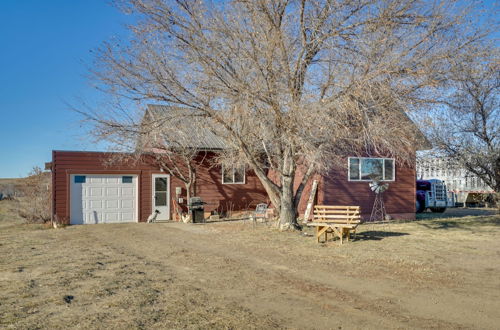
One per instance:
(336, 232)
(321, 231)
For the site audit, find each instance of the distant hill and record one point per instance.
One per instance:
(10, 180)
(11, 187)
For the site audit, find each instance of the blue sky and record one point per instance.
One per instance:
(44, 52)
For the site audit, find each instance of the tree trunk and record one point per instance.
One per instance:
(271, 189)
(188, 192)
(496, 176)
(288, 212)
(191, 184)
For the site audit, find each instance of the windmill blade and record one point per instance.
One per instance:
(378, 187)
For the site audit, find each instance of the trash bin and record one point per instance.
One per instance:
(196, 209)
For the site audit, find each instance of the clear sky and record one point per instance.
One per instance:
(44, 52)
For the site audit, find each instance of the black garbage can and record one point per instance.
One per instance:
(196, 209)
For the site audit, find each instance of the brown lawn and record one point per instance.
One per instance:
(432, 273)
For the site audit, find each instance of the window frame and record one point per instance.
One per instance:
(79, 179)
(234, 170)
(126, 178)
(359, 168)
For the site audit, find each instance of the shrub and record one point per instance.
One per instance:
(34, 204)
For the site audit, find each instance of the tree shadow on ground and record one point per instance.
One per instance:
(456, 213)
(466, 223)
(377, 235)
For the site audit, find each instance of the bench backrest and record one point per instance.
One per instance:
(261, 210)
(337, 214)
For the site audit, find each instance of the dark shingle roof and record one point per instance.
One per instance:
(187, 126)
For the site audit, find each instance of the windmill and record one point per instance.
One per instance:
(378, 211)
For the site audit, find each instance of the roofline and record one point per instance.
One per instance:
(124, 152)
(94, 151)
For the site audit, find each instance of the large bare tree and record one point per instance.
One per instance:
(468, 130)
(290, 85)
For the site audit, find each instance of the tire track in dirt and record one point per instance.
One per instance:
(190, 293)
(307, 301)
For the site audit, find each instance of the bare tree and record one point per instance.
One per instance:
(169, 138)
(469, 130)
(34, 202)
(176, 140)
(290, 86)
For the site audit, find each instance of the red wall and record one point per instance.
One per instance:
(399, 199)
(218, 196)
(333, 189)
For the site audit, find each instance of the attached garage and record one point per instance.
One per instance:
(103, 198)
(104, 187)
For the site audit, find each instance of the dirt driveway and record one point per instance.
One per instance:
(426, 274)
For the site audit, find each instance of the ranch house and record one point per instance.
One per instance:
(102, 187)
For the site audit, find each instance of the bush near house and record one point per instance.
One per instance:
(34, 201)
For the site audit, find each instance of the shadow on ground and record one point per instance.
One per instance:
(377, 235)
(457, 212)
(466, 223)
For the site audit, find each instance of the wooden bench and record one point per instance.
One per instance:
(338, 220)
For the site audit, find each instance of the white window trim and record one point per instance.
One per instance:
(369, 180)
(244, 176)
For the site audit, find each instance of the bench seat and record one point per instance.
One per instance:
(335, 219)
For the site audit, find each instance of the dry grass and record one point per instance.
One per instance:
(440, 273)
(8, 214)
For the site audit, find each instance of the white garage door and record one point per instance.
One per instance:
(103, 198)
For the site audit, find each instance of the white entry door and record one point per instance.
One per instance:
(103, 198)
(161, 196)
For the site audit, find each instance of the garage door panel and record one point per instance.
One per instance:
(112, 204)
(127, 192)
(113, 180)
(112, 217)
(95, 180)
(95, 191)
(127, 204)
(127, 217)
(94, 204)
(112, 192)
(104, 199)
(92, 217)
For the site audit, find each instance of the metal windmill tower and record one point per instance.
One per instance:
(378, 211)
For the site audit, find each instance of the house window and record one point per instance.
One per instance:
(367, 169)
(79, 178)
(126, 179)
(233, 174)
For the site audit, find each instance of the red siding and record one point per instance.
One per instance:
(399, 199)
(307, 190)
(333, 189)
(209, 186)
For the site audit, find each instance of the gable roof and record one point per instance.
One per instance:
(189, 126)
(185, 125)
(423, 142)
